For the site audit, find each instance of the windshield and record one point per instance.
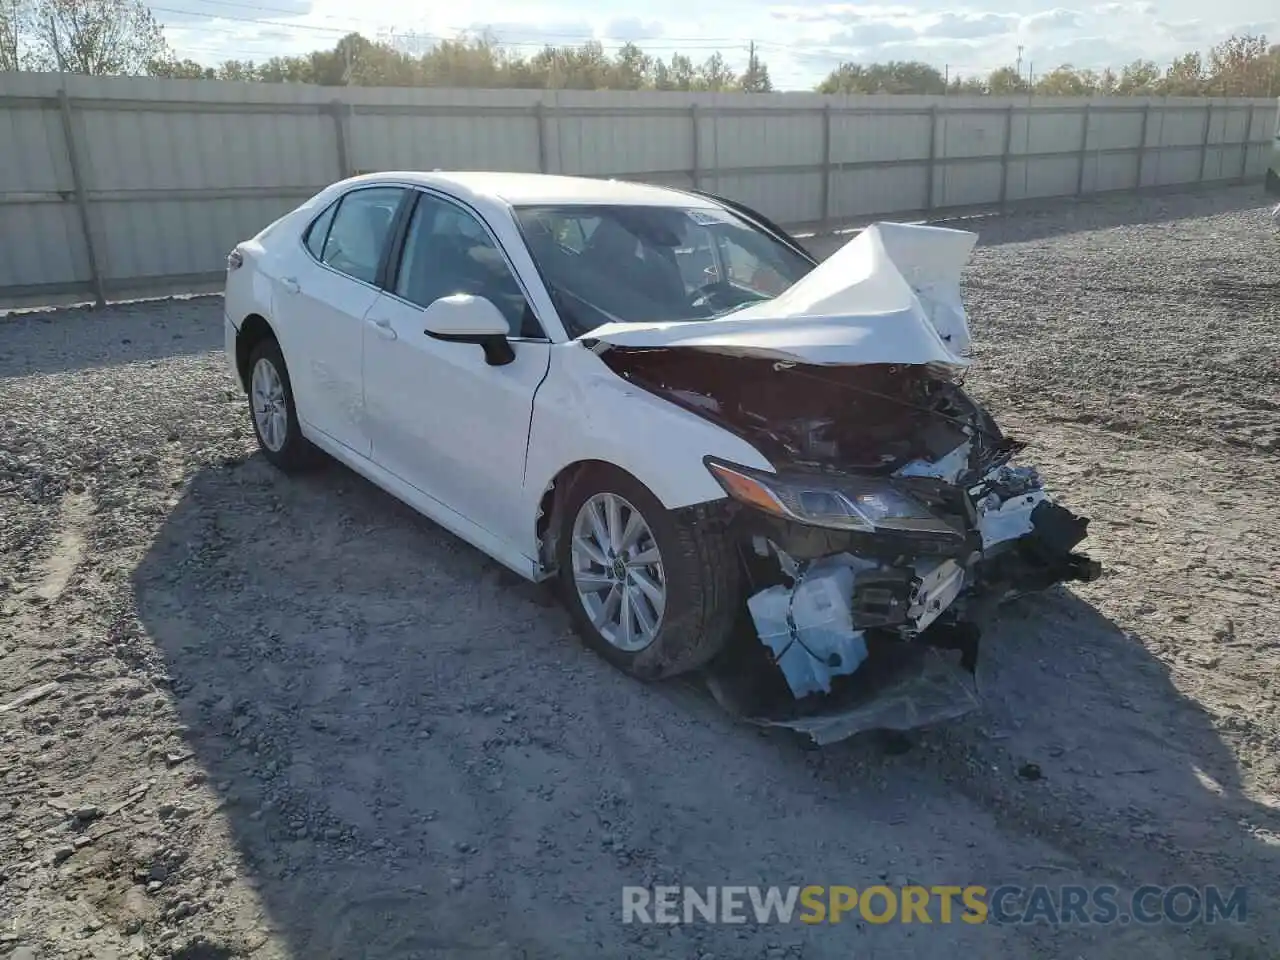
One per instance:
(612, 263)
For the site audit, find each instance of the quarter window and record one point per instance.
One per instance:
(360, 230)
(447, 251)
(319, 230)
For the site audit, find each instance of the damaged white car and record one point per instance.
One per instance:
(735, 460)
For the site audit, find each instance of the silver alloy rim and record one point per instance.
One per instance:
(617, 570)
(269, 411)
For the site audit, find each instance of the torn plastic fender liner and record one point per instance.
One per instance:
(925, 689)
(901, 687)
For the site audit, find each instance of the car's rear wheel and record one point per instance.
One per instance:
(653, 591)
(271, 408)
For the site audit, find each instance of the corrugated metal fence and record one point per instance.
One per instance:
(117, 187)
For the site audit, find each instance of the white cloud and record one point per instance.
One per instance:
(970, 26)
(524, 33)
(1050, 21)
(820, 13)
(1186, 31)
(633, 28)
(186, 11)
(871, 34)
(1256, 28)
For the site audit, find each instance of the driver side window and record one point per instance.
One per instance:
(447, 251)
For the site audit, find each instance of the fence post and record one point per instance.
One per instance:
(695, 169)
(1004, 156)
(933, 157)
(338, 110)
(1142, 143)
(1204, 143)
(82, 201)
(1084, 152)
(1244, 147)
(826, 163)
(540, 118)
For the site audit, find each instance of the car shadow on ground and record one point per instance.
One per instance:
(416, 759)
(81, 338)
(1084, 739)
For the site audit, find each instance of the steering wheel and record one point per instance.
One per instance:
(714, 295)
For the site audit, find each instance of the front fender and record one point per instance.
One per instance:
(584, 411)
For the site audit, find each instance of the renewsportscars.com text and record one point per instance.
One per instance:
(972, 904)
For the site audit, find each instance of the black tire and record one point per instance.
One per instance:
(703, 580)
(296, 453)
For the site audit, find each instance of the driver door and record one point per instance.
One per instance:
(441, 418)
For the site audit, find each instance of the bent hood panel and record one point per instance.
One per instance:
(889, 295)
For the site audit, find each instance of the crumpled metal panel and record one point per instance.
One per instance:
(889, 295)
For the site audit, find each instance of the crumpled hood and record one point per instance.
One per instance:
(889, 295)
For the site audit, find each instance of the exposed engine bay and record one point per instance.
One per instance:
(895, 516)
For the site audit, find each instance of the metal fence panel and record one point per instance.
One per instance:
(132, 186)
(873, 191)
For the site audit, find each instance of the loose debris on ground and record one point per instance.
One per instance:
(242, 715)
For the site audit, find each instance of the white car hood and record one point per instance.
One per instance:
(889, 295)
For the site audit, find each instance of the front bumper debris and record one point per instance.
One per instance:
(846, 642)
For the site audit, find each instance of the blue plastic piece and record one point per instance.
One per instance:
(809, 626)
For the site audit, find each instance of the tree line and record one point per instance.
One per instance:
(483, 62)
(122, 37)
(1240, 66)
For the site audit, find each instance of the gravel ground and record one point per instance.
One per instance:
(291, 719)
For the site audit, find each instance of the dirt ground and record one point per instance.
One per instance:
(291, 719)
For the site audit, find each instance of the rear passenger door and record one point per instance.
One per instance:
(320, 310)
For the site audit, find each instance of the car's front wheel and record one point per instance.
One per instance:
(655, 592)
(275, 418)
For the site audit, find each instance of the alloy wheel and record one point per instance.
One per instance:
(617, 571)
(270, 411)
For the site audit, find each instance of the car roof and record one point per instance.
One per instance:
(519, 189)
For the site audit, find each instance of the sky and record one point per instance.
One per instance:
(800, 42)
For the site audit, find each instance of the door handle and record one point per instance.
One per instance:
(290, 284)
(384, 328)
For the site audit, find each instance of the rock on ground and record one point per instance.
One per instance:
(291, 719)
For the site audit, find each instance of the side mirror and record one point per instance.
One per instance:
(464, 318)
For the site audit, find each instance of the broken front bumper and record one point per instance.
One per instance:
(849, 639)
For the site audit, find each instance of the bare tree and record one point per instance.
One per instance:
(100, 37)
(715, 75)
(15, 31)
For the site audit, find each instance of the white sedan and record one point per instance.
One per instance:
(656, 396)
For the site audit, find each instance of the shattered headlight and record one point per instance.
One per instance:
(865, 504)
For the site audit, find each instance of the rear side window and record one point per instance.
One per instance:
(360, 231)
(319, 230)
